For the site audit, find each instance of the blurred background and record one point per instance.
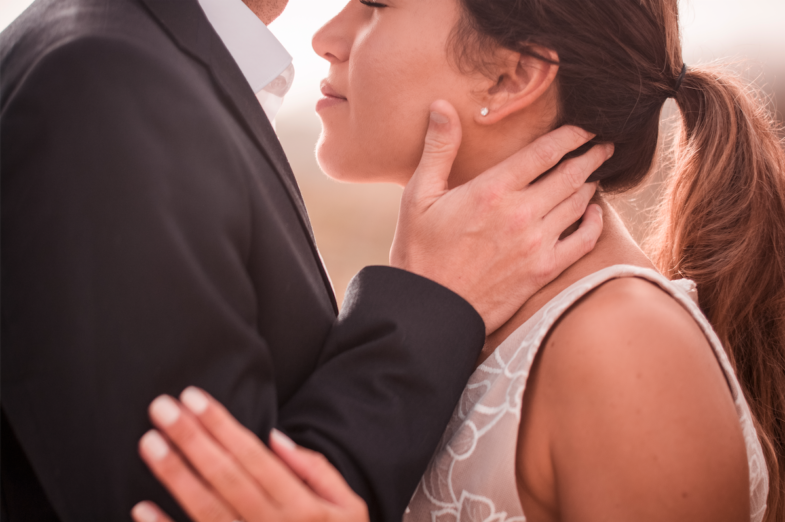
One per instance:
(354, 224)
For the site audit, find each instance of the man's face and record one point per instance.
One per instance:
(267, 10)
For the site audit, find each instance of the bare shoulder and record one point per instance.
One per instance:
(628, 384)
(631, 338)
(630, 327)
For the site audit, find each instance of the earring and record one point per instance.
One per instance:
(484, 111)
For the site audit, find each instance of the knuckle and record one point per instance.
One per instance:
(577, 206)
(491, 196)
(184, 434)
(211, 511)
(170, 467)
(524, 216)
(587, 243)
(547, 153)
(308, 512)
(573, 175)
(534, 241)
(438, 144)
(221, 474)
(546, 271)
(249, 454)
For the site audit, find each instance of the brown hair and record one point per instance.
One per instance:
(723, 222)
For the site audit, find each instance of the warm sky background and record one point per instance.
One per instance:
(711, 29)
(354, 224)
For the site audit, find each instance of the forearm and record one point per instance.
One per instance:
(391, 373)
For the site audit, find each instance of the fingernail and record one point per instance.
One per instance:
(439, 118)
(282, 439)
(164, 410)
(154, 446)
(144, 512)
(599, 209)
(609, 151)
(194, 400)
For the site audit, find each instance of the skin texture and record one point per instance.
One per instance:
(627, 415)
(244, 471)
(390, 64)
(375, 119)
(267, 10)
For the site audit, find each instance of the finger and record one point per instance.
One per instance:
(149, 512)
(550, 191)
(582, 241)
(216, 465)
(199, 501)
(314, 469)
(273, 476)
(569, 211)
(526, 165)
(441, 146)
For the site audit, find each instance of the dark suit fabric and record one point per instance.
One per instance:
(153, 237)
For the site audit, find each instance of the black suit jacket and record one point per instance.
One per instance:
(153, 237)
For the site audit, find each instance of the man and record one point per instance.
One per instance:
(154, 237)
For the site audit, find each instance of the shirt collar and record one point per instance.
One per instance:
(264, 62)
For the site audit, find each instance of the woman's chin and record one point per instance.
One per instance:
(336, 169)
(340, 165)
(349, 167)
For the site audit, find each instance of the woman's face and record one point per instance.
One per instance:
(388, 63)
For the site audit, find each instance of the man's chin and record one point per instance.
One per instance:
(267, 10)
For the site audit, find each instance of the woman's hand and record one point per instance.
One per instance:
(221, 472)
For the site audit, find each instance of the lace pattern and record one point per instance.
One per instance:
(471, 477)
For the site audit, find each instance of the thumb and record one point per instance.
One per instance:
(441, 146)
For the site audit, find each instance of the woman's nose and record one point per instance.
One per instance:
(334, 40)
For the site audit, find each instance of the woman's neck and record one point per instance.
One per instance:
(484, 147)
(614, 247)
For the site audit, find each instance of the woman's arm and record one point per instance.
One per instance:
(628, 417)
(230, 475)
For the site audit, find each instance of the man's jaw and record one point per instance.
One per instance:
(267, 10)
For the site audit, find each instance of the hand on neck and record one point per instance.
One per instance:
(615, 246)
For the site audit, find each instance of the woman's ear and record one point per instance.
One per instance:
(521, 80)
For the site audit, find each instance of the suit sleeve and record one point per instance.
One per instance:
(393, 369)
(124, 238)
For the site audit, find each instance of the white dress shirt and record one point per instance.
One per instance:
(262, 59)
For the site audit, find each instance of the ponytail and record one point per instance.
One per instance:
(724, 222)
(724, 228)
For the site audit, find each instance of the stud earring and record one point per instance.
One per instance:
(484, 111)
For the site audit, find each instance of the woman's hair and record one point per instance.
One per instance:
(724, 212)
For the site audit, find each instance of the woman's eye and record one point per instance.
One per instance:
(372, 4)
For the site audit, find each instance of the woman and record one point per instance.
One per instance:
(609, 395)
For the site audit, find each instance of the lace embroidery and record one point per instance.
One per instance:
(471, 477)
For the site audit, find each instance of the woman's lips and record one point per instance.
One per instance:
(331, 97)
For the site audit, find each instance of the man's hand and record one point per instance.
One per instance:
(221, 472)
(495, 240)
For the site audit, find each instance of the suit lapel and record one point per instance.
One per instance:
(187, 24)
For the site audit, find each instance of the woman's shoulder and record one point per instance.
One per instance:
(627, 383)
(625, 309)
(629, 335)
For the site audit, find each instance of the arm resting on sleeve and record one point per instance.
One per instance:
(393, 369)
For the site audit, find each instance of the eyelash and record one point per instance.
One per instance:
(372, 4)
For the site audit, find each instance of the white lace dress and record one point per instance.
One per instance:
(472, 474)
